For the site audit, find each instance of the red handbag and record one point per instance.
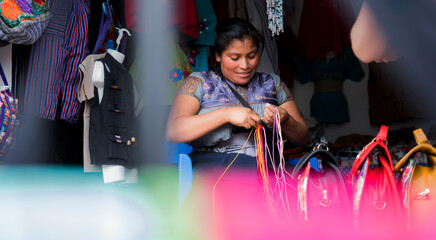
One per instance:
(376, 202)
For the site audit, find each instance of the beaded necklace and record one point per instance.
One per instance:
(275, 16)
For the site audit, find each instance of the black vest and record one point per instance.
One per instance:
(112, 127)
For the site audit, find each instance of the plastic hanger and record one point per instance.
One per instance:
(120, 35)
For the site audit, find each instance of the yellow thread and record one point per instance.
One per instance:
(222, 175)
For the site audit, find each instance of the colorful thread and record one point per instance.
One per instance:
(222, 175)
(272, 192)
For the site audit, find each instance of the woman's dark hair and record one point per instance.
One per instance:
(235, 28)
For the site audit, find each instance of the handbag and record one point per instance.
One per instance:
(8, 116)
(322, 191)
(417, 185)
(23, 22)
(375, 197)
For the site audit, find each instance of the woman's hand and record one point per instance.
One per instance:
(269, 112)
(292, 123)
(242, 117)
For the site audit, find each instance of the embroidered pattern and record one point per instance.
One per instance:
(216, 92)
(176, 75)
(203, 25)
(14, 12)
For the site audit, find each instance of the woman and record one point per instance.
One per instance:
(207, 115)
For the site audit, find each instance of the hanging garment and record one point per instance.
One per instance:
(206, 23)
(23, 22)
(325, 26)
(112, 126)
(328, 103)
(257, 16)
(237, 9)
(197, 58)
(179, 70)
(107, 33)
(85, 93)
(131, 10)
(53, 73)
(185, 18)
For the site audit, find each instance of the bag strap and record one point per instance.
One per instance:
(5, 82)
(378, 142)
(324, 157)
(423, 146)
(244, 103)
(2, 73)
(239, 97)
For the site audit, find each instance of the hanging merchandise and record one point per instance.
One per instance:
(178, 71)
(184, 17)
(53, 74)
(275, 16)
(23, 22)
(375, 194)
(236, 8)
(206, 23)
(258, 16)
(112, 114)
(322, 190)
(8, 116)
(325, 26)
(107, 33)
(417, 185)
(328, 103)
(197, 58)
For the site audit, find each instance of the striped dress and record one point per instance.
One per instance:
(53, 74)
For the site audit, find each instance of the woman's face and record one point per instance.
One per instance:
(239, 61)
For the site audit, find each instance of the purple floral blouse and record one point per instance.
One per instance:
(214, 93)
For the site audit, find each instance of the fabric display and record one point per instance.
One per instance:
(197, 50)
(113, 120)
(328, 103)
(322, 190)
(325, 26)
(326, 57)
(417, 184)
(53, 74)
(23, 22)
(375, 194)
(179, 70)
(257, 15)
(185, 17)
(206, 23)
(8, 116)
(86, 93)
(236, 8)
(108, 33)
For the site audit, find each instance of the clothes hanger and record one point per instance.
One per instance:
(120, 35)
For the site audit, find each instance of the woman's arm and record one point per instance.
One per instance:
(184, 125)
(292, 123)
